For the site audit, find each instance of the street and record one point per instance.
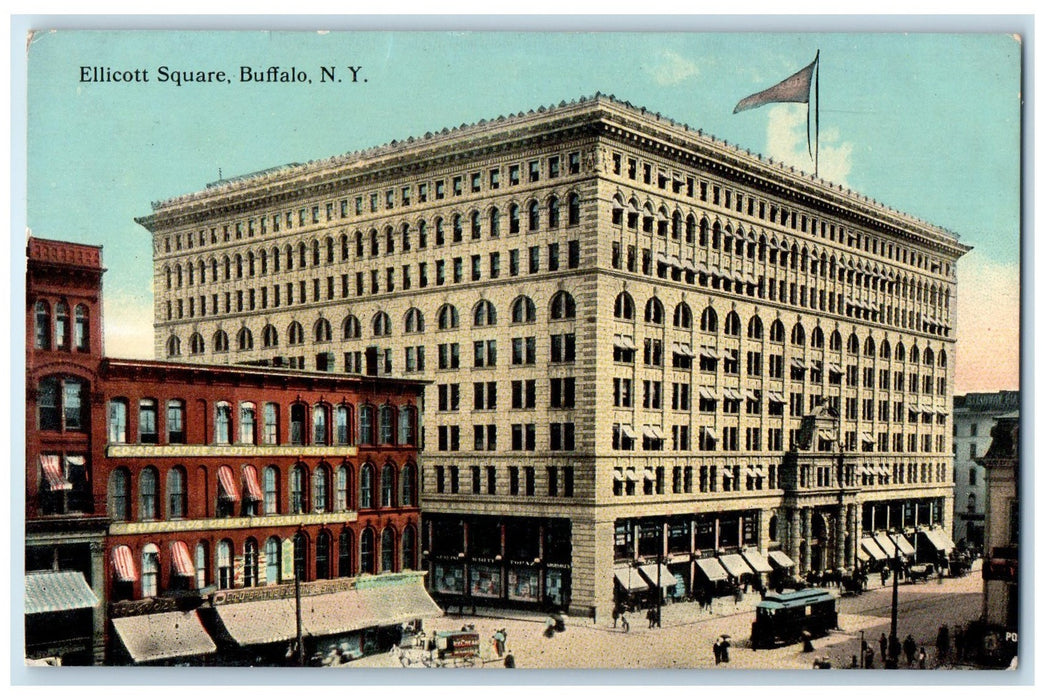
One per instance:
(687, 635)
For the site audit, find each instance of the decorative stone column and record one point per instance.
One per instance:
(807, 528)
(99, 614)
(794, 538)
(840, 532)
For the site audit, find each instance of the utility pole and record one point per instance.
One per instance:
(298, 572)
(890, 660)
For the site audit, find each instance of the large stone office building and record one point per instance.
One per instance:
(643, 343)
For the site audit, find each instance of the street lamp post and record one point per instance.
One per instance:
(890, 660)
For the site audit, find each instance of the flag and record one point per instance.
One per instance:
(793, 89)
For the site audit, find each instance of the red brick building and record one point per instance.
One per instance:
(198, 486)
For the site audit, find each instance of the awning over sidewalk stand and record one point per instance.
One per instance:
(757, 562)
(55, 591)
(735, 565)
(905, 546)
(862, 555)
(873, 548)
(270, 621)
(712, 569)
(780, 560)
(123, 563)
(886, 543)
(667, 579)
(938, 539)
(629, 578)
(944, 538)
(163, 636)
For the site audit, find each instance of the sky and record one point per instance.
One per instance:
(928, 124)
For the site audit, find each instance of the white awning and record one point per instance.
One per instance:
(735, 565)
(618, 473)
(828, 435)
(732, 394)
(832, 367)
(684, 349)
(710, 353)
(797, 363)
(653, 431)
(712, 569)
(168, 635)
(661, 258)
(629, 578)
(873, 548)
(757, 562)
(866, 437)
(630, 474)
(624, 342)
(776, 397)
(750, 395)
(649, 474)
(667, 579)
(629, 432)
(886, 544)
(710, 432)
(905, 546)
(707, 393)
(780, 560)
(688, 266)
(675, 262)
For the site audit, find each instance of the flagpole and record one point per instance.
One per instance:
(816, 160)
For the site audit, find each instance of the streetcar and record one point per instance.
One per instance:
(790, 616)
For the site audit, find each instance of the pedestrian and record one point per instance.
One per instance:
(509, 661)
(959, 643)
(885, 575)
(725, 651)
(883, 644)
(616, 614)
(909, 649)
(650, 615)
(894, 648)
(943, 644)
(853, 663)
(868, 657)
(657, 616)
(921, 657)
(624, 622)
(717, 648)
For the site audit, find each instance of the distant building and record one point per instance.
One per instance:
(178, 503)
(627, 324)
(974, 417)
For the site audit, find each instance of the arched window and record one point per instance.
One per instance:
(915, 356)
(409, 560)
(81, 329)
(524, 310)
(341, 486)
(366, 425)
(150, 571)
(776, 332)
(223, 563)
(61, 325)
(388, 546)
(447, 317)
(301, 556)
(148, 498)
(148, 433)
(485, 314)
(901, 351)
(173, 346)
(196, 344)
(43, 326)
(885, 350)
(406, 425)
(387, 486)
(177, 495)
(816, 338)
(321, 331)
(366, 552)
(573, 216)
(270, 429)
(408, 479)
(366, 487)
(344, 553)
(624, 307)
(928, 358)
(221, 341)
(270, 486)
(385, 427)
(654, 311)
(119, 495)
(943, 358)
(754, 328)
(272, 560)
(836, 341)
(60, 404)
(534, 215)
(321, 489)
(415, 321)
(295, 333)
(269, 336)
(320, 424)
(342, 425)
(298, 420)
(247, 423)
(323, 555)
(350, 328)
(298, 489)
(732, 324)
(853, 345)
(683, 316)
(202, 562)
(513, 218)
(798, 335)
(563, 306)
(222, 423)
(118, 421)
(382, 325)
(553, 212)
(250, 563)
(709, 320)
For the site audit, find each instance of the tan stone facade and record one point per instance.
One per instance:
(676, 289)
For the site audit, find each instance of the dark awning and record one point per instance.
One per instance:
(163, 636)
(54, 591)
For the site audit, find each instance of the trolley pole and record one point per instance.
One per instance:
(890, 660)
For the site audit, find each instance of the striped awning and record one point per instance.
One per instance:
(181, 562)
(54, 476)
(123, 564)
(250, 480)
(228, 489)
(55, 591)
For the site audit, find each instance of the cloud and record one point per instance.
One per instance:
(988, 332)
(672, 69)
(786, 142)
(128, 325)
